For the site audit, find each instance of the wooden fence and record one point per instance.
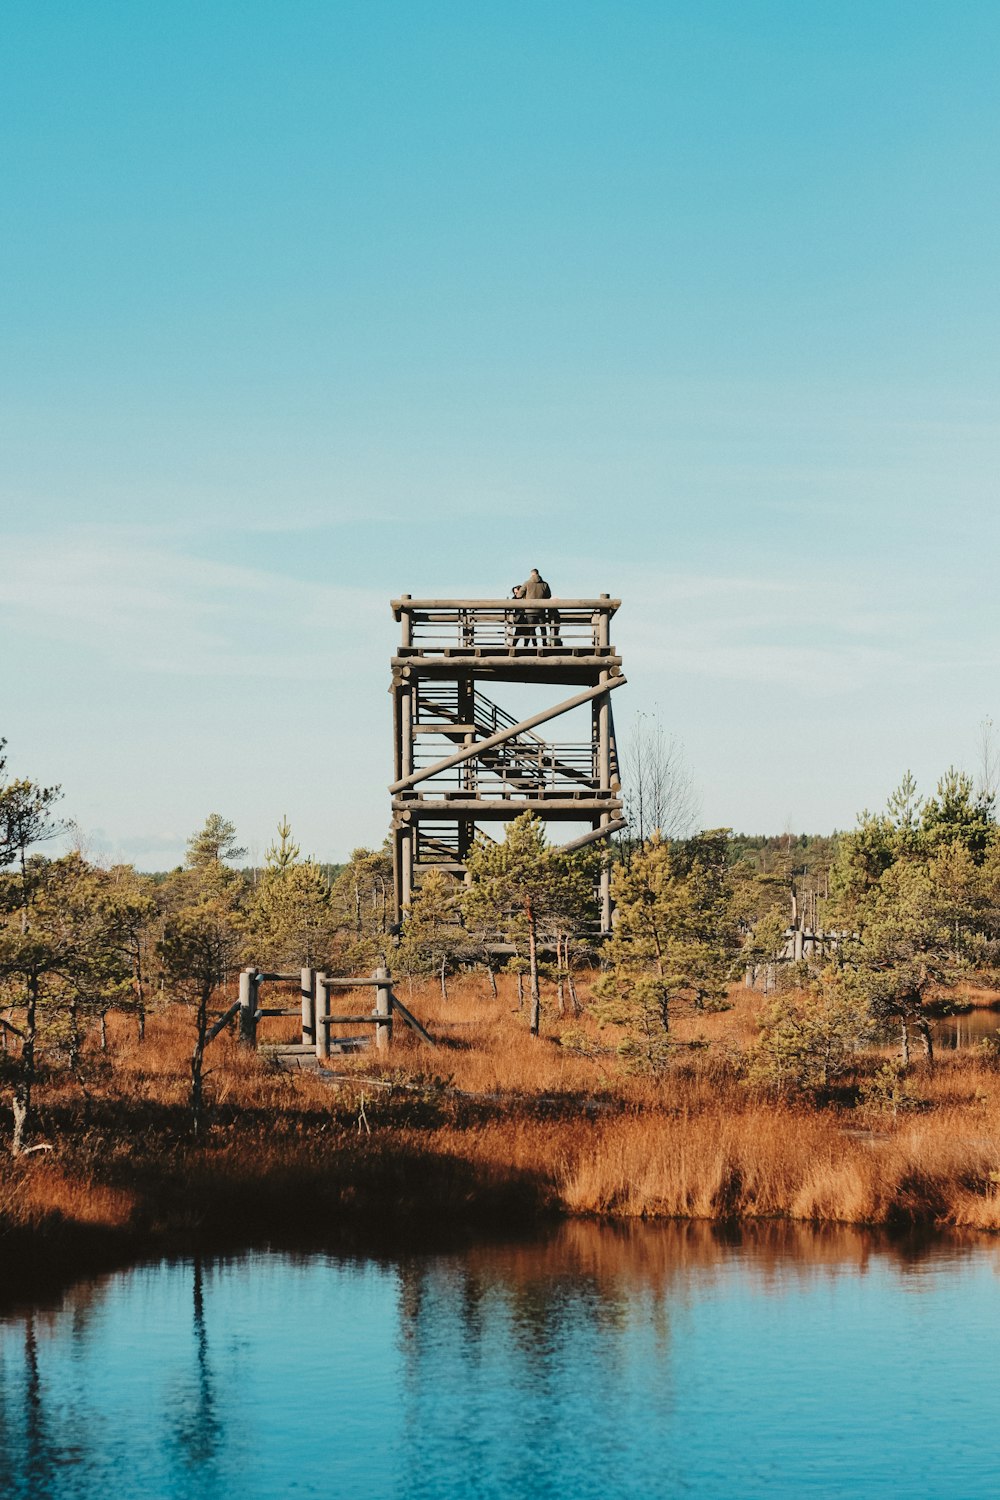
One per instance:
(314, 1012)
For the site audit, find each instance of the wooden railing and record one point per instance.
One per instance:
(551, 626)
(316, 988)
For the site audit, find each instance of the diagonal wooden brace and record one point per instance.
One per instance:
(592, 837)
(469, 752)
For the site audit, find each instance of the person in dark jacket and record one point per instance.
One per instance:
(535, 587)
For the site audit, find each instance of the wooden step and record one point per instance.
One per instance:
(301, 1057)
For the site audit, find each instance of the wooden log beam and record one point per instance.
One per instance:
(383, 1007)
(592, 837)
(307, 1004)
(483, 658)
(222, 1022)
(248, 1007)
(406, 605)
(506, 808)
(374, 1019)
(480, 747)
(411, 1021)
(322, 1042)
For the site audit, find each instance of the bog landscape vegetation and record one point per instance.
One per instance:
(692, 1064)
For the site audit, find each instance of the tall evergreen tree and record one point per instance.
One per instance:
(513, 879)
(912, 884)
(26, 819)
(204, 934)
(290, 917)
(675, 939)
(213, 843)
(431, 932)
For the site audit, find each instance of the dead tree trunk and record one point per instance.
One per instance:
(536, 995)
(25, 1082)
(560, 976)
(140, 999)
(574, 997)
(198, 1061)
(21, 1104)
(923, 1027)
(75, 1035)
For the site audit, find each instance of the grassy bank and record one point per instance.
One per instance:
(491, 1130)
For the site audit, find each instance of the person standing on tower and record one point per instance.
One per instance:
(535, 587)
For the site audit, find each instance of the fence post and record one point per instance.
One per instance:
(383, 1007)
(248, 1007)
(308, 1005)
(322, 1010)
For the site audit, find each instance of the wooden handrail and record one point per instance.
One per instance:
(499, 606)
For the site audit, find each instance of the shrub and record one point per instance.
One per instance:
(888, 1090)
(808, 1039)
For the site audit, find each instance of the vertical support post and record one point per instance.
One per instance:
(397, 728)
(383, 1007)
(397, 875)
(409, 834)
(248, 1007)
(398, 692)
(308, 987)
(603, 711)
(322, 1012)
(466, 704)
(407, 706)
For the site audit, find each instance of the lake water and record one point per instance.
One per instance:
(652, 1362)
(953, 1033)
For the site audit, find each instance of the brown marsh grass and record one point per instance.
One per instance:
(491, 1130)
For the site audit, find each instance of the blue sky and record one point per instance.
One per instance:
(306, 305)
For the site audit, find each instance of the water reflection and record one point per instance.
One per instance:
(954, 1033)
(196, 1427)
(604, 1361)
(584, 1324)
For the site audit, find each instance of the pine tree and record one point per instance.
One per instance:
(286, 851)
(915, 885)
(361, 900)
(213, 843)
(431, 933)
(25, 958)
(675, 939)
(512, 883)
(204, 932)
(290, 918)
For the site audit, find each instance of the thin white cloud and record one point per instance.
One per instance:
(818, 636)
(148, 604)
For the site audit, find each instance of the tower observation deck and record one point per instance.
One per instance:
(463, 758)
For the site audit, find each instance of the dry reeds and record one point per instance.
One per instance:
(491, 1129)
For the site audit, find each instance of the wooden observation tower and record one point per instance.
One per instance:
(464, 758)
